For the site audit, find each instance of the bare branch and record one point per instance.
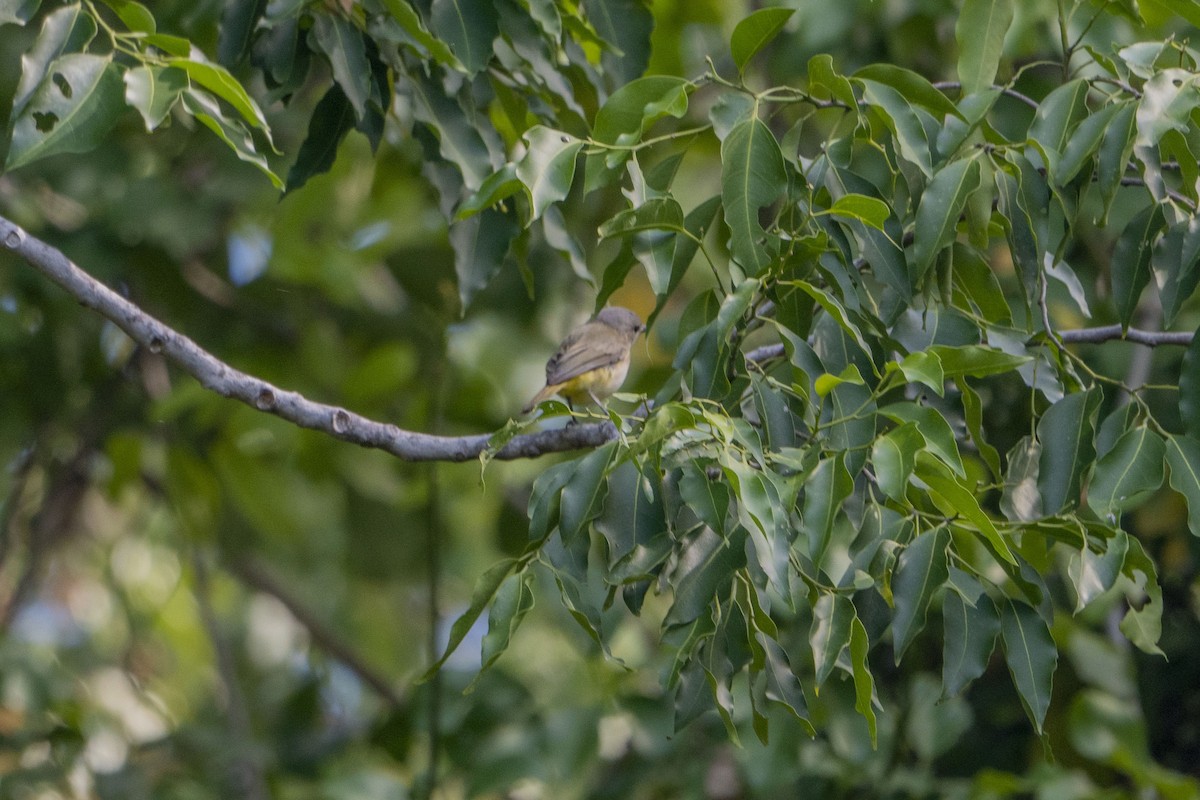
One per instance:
(1108, 333)
(223, 379)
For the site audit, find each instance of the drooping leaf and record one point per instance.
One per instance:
(956, 498)
(911, 137)
(937, 216)
(969, 639)
(1057, 115)
(331, 120)
(864, 682)
(824, 492)
(626, 115)
(486, 587)
(154, 91)
(468, 27)
(973, 413)
(1142, 623)
(752, 176)
(830, 632)
(480, 246)
(893, 456)
(344, 46)
(1031, 655)
(755, 32)
(71, 110)
(1128, 473)
(783, 687)
(933, 427)
(1131, 260)
(512, 601)
(626, 25)
(980, 31)
(706, 565)
(205, 108)
(1092, 573)
(216, 79)
(1183, 456)
(920, 571)
(1176, 265)
(1067, 436)
(548, 168)
(237, 28)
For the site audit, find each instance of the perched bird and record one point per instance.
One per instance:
(591, 362)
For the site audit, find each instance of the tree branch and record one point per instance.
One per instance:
(226, 381)
(257, 578)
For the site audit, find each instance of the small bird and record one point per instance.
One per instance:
(591, 362)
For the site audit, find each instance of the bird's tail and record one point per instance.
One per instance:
(546, 393)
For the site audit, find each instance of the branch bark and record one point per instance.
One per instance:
(226, 381)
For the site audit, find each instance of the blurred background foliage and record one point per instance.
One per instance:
(203, 601)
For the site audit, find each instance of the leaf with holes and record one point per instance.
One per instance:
(71, 110)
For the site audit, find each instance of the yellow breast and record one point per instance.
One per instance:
(598, 383)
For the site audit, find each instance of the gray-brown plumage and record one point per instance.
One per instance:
(592, 361)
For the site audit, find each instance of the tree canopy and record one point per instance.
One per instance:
(902, 498)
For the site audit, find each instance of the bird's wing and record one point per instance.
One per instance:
(580, 353)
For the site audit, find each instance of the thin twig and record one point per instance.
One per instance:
(226, 381)
(1006, 90)
(256, 577)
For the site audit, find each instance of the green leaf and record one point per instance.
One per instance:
(480, 245)
(1180, 8)
(783, 687)
(1021, 501)
(135, 16)
(830, 632)
(512, 601)
(1176, 265)
(941, 205)
(867, 210)
(1189, 388)
(1092, 574)
(980, 31)
(900, 116)
(1115, 150)
(468, 27)
(1183, 456)
(894, 456)
(1031, 656)
(920, 571)
(914, 87)
(153, 91)
(824, 492)
(344, 46)
(752, 176)
(763, 513)
(1128, 473)
(331, 120)
(626, 26)
(1057, 115)
(1143, 621)
(969, 638)
(410, 21)
(973, 414)
(975, 360)
(1066, 433)
(64, 30)
(71, 110)
(755, 32)
(1131, 260)
(864, 683)
(238, 21)
(707, 562)
(498, 186)
(485, 589)
(1084, 143)
(708, 500)
(933, 427)
(18, 11)
(548, 167)
(826, 83)
(634, 515)
(924, 367)
(959, 499)
(217, 80)
(626, 115)
(205, 108)
(583, 496)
